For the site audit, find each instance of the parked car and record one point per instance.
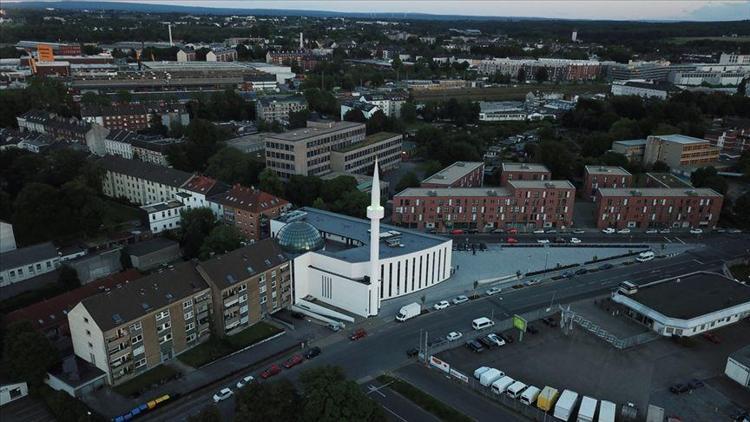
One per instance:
(497, 340)
(293, 361)
(543, 241)
(474, 346)
(560, 240)
(487, 342)
(412, 353)
(222, 395)
(531, 329)
(623, 231)
(493, 290)
(533, 281)
(312, 352)
(695, 383)
(454, 335)
(334, 326)
(245, 381)
(713, 338)
(271, 371)
(511, 240)
(551, 231)
(581, 271)
(539, 231)
(696, 231)
(460, 299)
(441, 305)
(358, 334)
(679, 388)
(652, 231)
(512, 230)
(575, 240)
(664, 231)
(549, 321)
(456, 231)
(498, 231)
(609, 230)
(508, 338)
(567, 274)
(579, 231)
(606, 266)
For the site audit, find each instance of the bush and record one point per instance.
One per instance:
(66, 408)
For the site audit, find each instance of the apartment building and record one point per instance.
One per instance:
(197, 193)
(302, 58)
(222, 55)
(140, 182)
(657, 208)
(359, 158)
(163, 216)
(307, 151)
(131, 145)
(524, 204)
(249, 209)
(633, 149)
(461, 174)
(142, 323)
(133, 117)
(64, 129)
(17, 265)
(599, 177)
(523, 171)
(730, 142)
(679, 151)
(247, 284)
(269, 109)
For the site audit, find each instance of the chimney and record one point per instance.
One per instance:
(171, 44)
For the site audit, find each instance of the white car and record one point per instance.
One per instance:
(245, 381)
(542, 241)
(540, 231)
(664, 231)
(533, 281)
(623, 231)
(652, 231)
(222, 395)
(496, 339)
(696, 231)
(609, 230)
(441, 305)
(454, 335)
(493, 291)
(579, 231)
(575, 240)
(460, 299)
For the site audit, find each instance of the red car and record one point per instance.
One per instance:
(457, 231)
(360, 333)
(512, 231)
(511, 240)
(268, 373)
(293, 361)
(713, 338)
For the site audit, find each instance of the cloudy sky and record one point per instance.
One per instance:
(705, 10)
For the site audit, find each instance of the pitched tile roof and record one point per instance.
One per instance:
(249, 199)
(240, 264)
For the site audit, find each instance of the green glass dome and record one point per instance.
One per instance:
(299, 237)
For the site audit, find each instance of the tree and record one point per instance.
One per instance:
(92, 98)
(269, 401)
(124, 96)
(232, 166)
(27, 353)
(708, 177)
(298, 119)
(541, 75)
(741, 210)
(195, 225)
(408, 180)
(270, 182)
(409, 112)
(209, 413)
(68, 277)
(521, 75)
(355, 115)
(660, 167)
(303, 190)
(204, 139)
(329, 396)
(742, 87)
(611, 158)
(376, 123)
(334, 189)
(222, 239)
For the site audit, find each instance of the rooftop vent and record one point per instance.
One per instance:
(117, 319)
(231, 279)
(636, 193)
(431, 193)
(691, 192)
(460, 164)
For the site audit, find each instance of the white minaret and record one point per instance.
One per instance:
(301, 42)
(375, 212)
(171, 44)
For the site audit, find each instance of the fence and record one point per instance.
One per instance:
(569, 315)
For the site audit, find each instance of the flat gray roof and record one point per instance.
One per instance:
(632, 142)
(359, 230)
(528, 167)
(443, 192)
(309, 132)
(28, 255)
(614, 170)
(669, 180)
(742, 356)
(681, 139)
(673, 192)
(453, 172)
(692, 295)
(541, 184)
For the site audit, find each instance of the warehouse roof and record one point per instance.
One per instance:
(659, 192)
(525, 167)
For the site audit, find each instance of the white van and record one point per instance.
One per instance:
(499, 386)
(479, 371)
(482, 323)
(515, 390)
(529, 395)
(645, 256)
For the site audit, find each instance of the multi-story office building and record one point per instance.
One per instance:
(657, 208)
(633, 149)
(247, 284)
(523, 171)
(307, 151)
(140, 324)
(598, 177)
(461, 174)
(249, 209)
(140, 182)
(270, 109)
(679, 151)
(522, 204)
(359, 158)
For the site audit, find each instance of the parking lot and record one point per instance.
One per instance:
(581, 362)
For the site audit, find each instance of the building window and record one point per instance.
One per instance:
(167, 325)
(162, 315)
(190, 337)
(165, 338)
(186, 304)
(88, 333)
(137, 339)
(189, 326)
(140, 363)
(188, 315)
(135, 327)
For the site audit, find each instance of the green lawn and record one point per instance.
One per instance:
(120, 213)
(424, 400)
(146, 380)
(741, 272)
(216, 348)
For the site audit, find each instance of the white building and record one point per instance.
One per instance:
(367, 109)
(13, 391)
(502, 111)
(641, 88)
(351, 264)
(738, 366)
(139, 182)
(687, 305)
(22, 264)
(7, 238)
(733, 58)
(163, 216)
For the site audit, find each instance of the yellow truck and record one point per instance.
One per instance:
(546, 399)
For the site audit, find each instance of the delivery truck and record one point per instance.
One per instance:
(547, 398)
(607, 411)
(515, 390)
(481, 370)
(587, 411)
(409, 311)
(565, 405)
(500, 386)
(530, 395)
(490, 376)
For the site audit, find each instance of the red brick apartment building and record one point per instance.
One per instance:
(133, 117)
(657, 208)
(249, 209)
(461, 174)
(522, 204)
(523, 171)
(600, 177)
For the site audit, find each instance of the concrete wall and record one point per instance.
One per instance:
(94, 266)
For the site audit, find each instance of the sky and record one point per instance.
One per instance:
(701, 10)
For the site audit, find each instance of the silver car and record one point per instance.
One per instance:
(460, 299)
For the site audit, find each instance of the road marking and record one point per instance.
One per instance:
(699, 262)
(680, 240)
(667, 239)
(374, 389)
(393, 413)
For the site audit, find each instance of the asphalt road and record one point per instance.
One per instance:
(384, 347)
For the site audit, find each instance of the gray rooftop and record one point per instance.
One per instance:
(27, 256)
(453, 172)
(632, 142)
(310, 132)
(453, 192)
(692, 295)
(243, 263)
(742, 356)
(658, 192)
(681, 139)
(150, 246)
(162, 206)
(613, 170)
(527, 167)
(142, 170)
(359, 230)
(541, 184)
